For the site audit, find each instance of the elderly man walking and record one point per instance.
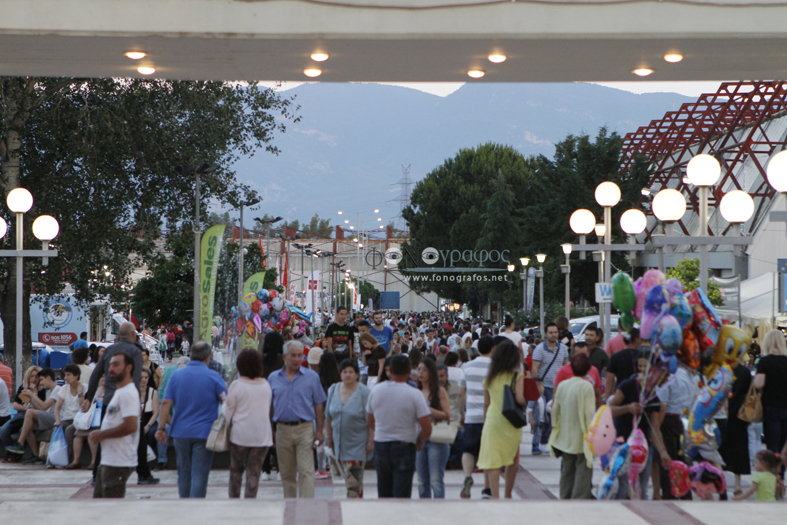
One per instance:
(298, 399)
(196, 392)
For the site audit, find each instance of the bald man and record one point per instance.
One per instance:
(127, 344)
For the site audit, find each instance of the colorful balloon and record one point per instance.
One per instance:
(284, 315)
(730, 349)
(273, 293)
(689, 352)
(246, 310)
(708, 402)
(656, 306)
(264, 312)
(679, 479)
(255, 307)
(263, 295)
(257, 322)
(638, 445)
(674, 287)
(707, 480)
(601, 432)
(249, 298)
(618, 469)
(680, 310)
(657, 373)
(623, 296)
(707, 323)
(648, 281)
(277, 303)
(668, 334)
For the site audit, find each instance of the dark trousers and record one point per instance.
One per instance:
(774, 428)
(671, 431)
(143, 469)
(111, 482)
(248, 460)
(395, 464)
(97, 462)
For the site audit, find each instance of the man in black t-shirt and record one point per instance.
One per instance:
(598, 356)
(339, 336)
(621, 365)
(625, 406)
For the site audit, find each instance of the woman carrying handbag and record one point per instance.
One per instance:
(500, 439)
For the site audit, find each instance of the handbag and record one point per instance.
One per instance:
(219, 438)
(751, 409)
(532, 392)
(84, 420)
(513, 411)
(444, 432)
(58, 449)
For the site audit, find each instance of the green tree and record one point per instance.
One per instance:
(688, 271)
(100, 155)
(317, 227)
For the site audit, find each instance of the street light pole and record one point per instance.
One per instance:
(191, 170)
(241, 204)
(45, 228)
(524, 261)
(541, 257)
(566, 269)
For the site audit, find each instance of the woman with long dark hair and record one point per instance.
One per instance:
(431, 460)
(499, 438)
(328, 370)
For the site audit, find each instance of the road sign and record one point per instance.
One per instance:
(603, 293)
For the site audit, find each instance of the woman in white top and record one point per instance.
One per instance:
(248, 408)
(149, 406)
(513, 335)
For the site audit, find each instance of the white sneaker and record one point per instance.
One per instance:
(265, 476)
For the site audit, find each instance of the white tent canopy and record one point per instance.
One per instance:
(760, 302)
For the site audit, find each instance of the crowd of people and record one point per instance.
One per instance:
(410, 393)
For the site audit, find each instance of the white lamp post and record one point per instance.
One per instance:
(524, 261)
(541, 257)
(633, 222)
(582, 222)
(566, 269)
(777, 178)
(607, 196)
(736, 207)
(668, 206)
(45, 228)
(703, 171)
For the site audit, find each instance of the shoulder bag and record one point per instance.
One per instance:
(513, 411)
(751, 409)
(444, 432)
(540, 380)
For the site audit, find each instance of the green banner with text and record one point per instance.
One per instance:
(254, 284)
(209, 259)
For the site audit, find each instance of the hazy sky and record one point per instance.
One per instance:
(690, 89)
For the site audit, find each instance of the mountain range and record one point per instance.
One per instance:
(348, 149)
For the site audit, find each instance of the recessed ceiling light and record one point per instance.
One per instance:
(642, 71)
(143, 70)
(673, 57)
(476, 73)
(497, 58)
(319, 57)
(312, 72)
(136, 55)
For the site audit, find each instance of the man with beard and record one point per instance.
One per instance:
(119, 434)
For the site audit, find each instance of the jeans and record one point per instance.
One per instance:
(395, 464)
(542, 429)
(194, 461)
(430, 463)
(774, 423)
(755, 440)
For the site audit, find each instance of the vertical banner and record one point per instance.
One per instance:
(254, 283)
(531, 287)
(313, 291)
(357, 304)
(209, 258)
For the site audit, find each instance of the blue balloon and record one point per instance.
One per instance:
(264, 312)
(263, 295)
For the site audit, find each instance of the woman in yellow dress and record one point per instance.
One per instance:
(500, 439)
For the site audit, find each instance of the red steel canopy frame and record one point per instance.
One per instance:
(730, 124)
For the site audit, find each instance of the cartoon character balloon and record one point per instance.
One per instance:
(707, 479)
(730, 349)
(648, 281)
(638, 445)
(707, 323)
(601, 432)
(679, 479)
(277, 303)
(619, 466)
(263, 295)
(656, 306)
(708, 402)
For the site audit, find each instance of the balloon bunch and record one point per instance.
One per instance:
(267, 310)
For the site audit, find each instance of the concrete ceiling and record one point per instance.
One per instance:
(272, 40)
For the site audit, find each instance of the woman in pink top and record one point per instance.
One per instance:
(247, 409)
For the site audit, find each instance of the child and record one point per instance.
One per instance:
(763, 483)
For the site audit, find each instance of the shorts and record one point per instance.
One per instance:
(46, 421)
(471, 441)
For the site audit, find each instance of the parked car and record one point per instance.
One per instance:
(579, 325)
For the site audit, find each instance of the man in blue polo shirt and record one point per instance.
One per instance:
(196, 391)
(298, 400)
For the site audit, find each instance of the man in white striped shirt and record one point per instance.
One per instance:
(471, 403)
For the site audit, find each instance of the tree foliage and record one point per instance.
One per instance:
(688, 271)
(100, 155)
(491, 197)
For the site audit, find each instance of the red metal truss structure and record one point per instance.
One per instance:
(736, 125)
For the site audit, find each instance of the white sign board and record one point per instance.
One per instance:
(603, 293)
